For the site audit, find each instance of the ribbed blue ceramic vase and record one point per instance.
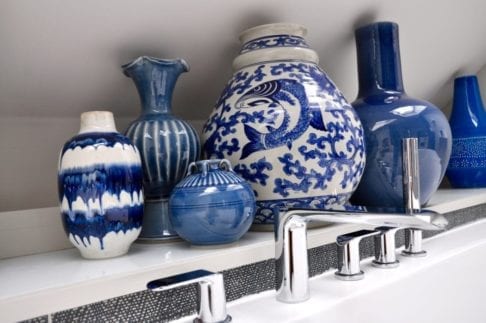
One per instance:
(467, 167)
(100, 188)
(167, 144)
(285, 126)
(212, 205)
(388, 115)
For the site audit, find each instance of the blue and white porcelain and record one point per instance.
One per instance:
(285, 126)
(212, 205)
(467, 167)
(167, 144)
(100, 188)
(388, 115)
(270, 41)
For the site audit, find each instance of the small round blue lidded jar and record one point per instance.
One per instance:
(212, 205)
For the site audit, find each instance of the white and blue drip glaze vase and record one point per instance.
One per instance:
(167, 144)
(285, 126)
(100, 188)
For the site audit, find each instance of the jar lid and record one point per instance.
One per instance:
(272, 29)
(211, 172)
(274, 42)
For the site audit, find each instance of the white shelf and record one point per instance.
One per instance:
(49, 282)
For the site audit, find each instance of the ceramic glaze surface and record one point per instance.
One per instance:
(274, 41)
(289, 131)
(212, 205)
(167, 144)
(100, 189)
(467, 167)
(388, 115)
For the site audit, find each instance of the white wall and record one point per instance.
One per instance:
(59, 58)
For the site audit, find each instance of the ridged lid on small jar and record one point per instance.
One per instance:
(211, 172)
(273, 42)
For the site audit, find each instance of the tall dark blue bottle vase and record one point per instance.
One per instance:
(167, 144)
(467, 167)
(388, 115)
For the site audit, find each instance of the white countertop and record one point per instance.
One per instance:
(49, 282)
(420, 290)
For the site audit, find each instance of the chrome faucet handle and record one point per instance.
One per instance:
(348, 254)
(385, 255)
(411, 194)
(413, 247)
(211, 294)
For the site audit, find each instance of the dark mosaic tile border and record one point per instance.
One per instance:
(40, 319)
(146, 306)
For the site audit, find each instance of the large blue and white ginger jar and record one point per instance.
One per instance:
(167, 144)
(212, 205)
(100, 188)
(285, 126)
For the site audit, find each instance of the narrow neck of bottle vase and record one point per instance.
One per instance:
(379, 67)
(155, 86)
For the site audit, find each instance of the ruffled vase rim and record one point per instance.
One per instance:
(155, 60)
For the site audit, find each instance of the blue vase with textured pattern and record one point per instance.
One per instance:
(212, 205)
(100, 188)
(285, 126)
(467, 167)
(388, 115)
(167, 144)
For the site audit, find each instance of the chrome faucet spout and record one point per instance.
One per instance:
(411, 194)
(292, 269)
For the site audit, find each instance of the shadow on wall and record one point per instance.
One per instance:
(340, 50)
(256, 18)
(482, 81)
(444, 95)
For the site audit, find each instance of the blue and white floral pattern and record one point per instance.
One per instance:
(274, 41)
(267, 209)
(289, 131)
